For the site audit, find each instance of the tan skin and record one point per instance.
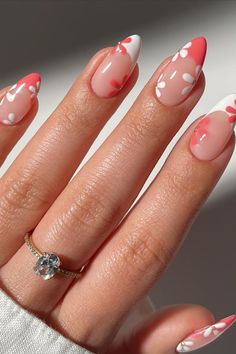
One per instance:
(80, 220)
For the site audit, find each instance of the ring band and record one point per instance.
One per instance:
(48, 264)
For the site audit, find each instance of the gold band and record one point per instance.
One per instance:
(40, 255)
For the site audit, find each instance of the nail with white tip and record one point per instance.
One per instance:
(214, 130)
(114, 71)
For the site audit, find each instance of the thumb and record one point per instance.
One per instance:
(180, 328)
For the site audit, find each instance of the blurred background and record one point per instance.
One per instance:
(56, 38)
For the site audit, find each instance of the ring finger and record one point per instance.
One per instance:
(48, 162)
(91, 206)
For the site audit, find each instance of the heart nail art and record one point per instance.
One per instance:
(18, 100)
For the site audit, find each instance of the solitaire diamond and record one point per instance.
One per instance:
(47, 266)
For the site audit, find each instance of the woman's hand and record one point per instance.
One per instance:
(85, 221)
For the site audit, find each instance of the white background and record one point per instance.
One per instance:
(57, 38)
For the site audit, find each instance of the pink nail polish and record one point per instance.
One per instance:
(18, 100)
(180, 76)
(201, 337)
(116, 68)
(214, 130)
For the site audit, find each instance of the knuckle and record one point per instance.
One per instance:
(144, 252)
(24, 191)
(67, 114)
(179, 182)
(87, 212)
(136, 132)
(91, 206)
(77, 111)
(144, 125)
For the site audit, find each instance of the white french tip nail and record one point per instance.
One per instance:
(133, 47)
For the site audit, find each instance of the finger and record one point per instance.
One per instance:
(133, 259)
(18, 107)
(92, 205)
(162, 332)
(97, 199)
(44, 168)
(181, 328)
(109, 183)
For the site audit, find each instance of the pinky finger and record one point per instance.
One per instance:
(176, 329)
(18, 107)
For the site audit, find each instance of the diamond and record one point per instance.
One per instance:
(47, 265)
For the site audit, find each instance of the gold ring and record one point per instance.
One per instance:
(48, 264)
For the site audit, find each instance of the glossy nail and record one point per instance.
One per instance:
(116, 68)
(17, 102)
(201, 337)
(214, 130)
(180, 76)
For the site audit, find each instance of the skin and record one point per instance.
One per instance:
(81, 220)
(9, 135)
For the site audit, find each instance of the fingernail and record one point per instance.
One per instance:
(18, 100)
(214, 130)
(180, 76)
(116, 68)
(204, 336)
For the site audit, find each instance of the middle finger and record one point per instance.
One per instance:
(93, 204)
(46, 165)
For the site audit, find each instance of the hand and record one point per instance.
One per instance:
(84, 220)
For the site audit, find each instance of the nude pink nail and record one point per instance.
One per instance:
(204, 336)
(116, 68)
(17, 102)
(180, 76)
(214, 130)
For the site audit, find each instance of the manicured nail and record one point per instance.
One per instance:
(180, 76)
(19, 98)
(116, 68)
(214, 130)
(204, 336)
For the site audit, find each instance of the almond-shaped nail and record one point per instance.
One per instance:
(17, 102)
(180, 76)
(214, 130)
(204, 336)
(115, 69)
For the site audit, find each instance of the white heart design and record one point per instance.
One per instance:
(11, 117)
